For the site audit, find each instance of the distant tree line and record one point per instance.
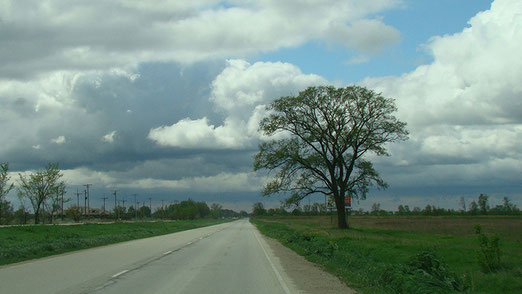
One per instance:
(479, 207)
(44, 191)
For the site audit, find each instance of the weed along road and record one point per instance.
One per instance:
(226, 258)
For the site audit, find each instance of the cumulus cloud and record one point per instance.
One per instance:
(240, 92)
(59, 140)
(464, 109)
(52, 36)
(221, 182)
(109, 138)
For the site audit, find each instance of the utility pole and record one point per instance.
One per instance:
(88, 196)
(78, 201)
(123, 205)
(135, 207)
(104, 198)
(115, 204)
(150, 206)
(85, 202)
(62, 206)
(162, 209)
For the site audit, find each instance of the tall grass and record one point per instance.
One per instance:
(28, 242)
(374, 259)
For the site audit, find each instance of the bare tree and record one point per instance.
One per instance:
(39, 186)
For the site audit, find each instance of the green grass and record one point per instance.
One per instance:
(378, 253)
(28, 242)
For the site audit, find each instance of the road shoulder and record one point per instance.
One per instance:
(308, 277)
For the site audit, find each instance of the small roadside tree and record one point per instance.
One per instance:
(5, 187)
(483, 203)
(258, 209)
(39, 186)
(54, 200)
(216, 210)
(325, 135)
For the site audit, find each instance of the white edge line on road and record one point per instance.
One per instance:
(168, 252)
(120, 273)
(281, 281)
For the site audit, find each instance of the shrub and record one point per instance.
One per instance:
(426, 269)
(488, 256)
(73, 213)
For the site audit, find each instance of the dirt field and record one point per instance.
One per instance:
(507, 227)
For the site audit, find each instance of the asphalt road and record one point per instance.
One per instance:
(226, 258)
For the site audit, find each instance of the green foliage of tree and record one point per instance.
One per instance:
(21, 215)
(188, 209)
(6, 212)
(483, 203)
(74, 213)
(40, 186)
(258, 209)
(5, 187)
(325, 134)
(215, 210)
(473, 208)
(54, 203)
(203, 209)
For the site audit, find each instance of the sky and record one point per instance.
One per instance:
(163, 99)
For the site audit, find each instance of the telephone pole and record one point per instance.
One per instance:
(162, 210)
(115, 204)
(150, 206)
(85, 202)
(88, 196)
(62, 207)
(104, 198)
(123, 200)
(135, 207)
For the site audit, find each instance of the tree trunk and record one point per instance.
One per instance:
(341, 214)
(36, 217)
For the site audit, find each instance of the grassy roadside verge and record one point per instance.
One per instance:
(373, 259)
(28, 242)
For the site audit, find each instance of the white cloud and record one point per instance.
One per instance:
(59, 140)
(197, 133)
(240, 92)
(464, 110)
(80, 176)
(109, 138)
(358, 60)
(40, 37)
(222, 182)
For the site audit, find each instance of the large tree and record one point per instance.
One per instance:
(322, 139)
(39, 187)
(5, 187)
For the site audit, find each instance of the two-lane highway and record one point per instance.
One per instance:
(227, 258)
